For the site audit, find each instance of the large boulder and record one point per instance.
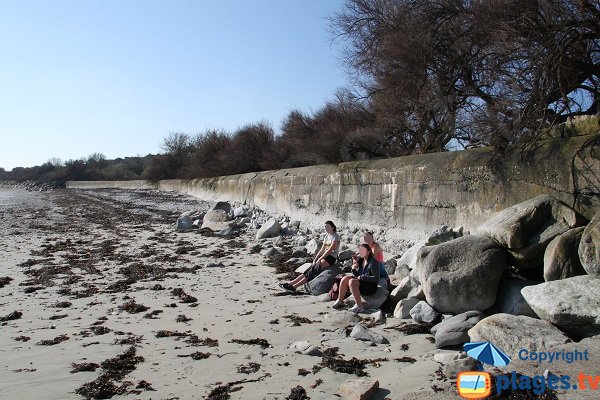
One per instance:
(510, 300)
(216, 216)
(271, 228)
(404, 288)
(400, 272)
(358, 389)
(512, 333)
(299, 252)
(216, 226)
(241, 211)
(453, 368)
(300, 241)
(404, 306)
(561, 260)
(376, 299)
(360, 332)
(323, 282)
(313, 246)
(443, 234)
(461, 275)
(390, 267)
(454, 330)
(572, 304)
(410, 256)
(423, 313)
(589, 247)
(345, 255)
(525, 229)
(223, 206)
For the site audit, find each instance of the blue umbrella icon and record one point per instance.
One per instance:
(487, 353)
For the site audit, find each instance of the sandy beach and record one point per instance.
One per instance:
(107, 287)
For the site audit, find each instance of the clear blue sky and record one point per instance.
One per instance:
(115, 77)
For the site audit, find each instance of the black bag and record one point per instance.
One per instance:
(334, 292)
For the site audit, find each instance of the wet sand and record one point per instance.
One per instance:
(101, 277)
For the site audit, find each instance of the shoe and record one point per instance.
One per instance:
(287, 287)
(357, 309)
(338, 304)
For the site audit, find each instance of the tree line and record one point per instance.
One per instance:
(91, 168)
(428, 76)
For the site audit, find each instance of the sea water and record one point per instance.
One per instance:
(8, 197)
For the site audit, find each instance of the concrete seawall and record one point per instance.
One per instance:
(409, 195)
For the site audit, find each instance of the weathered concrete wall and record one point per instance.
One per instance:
(413, 194)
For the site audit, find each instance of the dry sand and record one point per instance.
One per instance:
(76, 258)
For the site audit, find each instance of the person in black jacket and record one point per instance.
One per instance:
(364, 280)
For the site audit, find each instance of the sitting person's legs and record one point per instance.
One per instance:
(362, 288)
(354, 289)
(310, 274)
(344, 287)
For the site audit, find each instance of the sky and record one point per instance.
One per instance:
(115, 77)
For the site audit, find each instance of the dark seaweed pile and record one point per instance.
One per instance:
(196, 356)
(297, 320)
(5, 280)
(413, 329)
(298, 393)
(55, 341)
(133, 308)
(114, 371)
(248, 368)
(84, 367)
(12, 316)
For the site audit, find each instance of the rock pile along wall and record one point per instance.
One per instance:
(410, 195)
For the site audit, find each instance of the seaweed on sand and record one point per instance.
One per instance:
(249, 368)
(133, 308)
(182, 318)
(258, 342)
(52, 342)
(196, 356)
(114, 370)
(138, 271)
(84, 367)
(413, 329)
(5, 280)
(183, 296)
(336, 363)
(165, 333)
(298, 393)
(221, 392)
(208, 342)
(298, 320)
(12, 316)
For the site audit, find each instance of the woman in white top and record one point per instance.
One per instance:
(326, 257)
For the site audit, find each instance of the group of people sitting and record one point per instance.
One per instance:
(367, 270)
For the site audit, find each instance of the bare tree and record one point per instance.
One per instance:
(487, 72)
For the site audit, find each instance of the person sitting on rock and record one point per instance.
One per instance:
(378, 254)
(366, 273)
(325, 257)
(375, 247)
